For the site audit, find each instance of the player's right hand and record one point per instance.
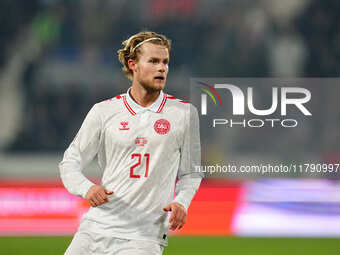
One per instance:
(97, 195)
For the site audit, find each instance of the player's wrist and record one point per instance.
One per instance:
(86, 188)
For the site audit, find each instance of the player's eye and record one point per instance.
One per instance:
(154, 61)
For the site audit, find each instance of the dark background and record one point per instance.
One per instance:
(57, 58)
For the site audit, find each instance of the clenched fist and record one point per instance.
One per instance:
(97, 195)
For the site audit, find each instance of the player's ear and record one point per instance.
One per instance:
(132, 64)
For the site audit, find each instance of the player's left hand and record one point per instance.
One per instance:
(178, 215)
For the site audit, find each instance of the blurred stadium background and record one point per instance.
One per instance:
(57, 58)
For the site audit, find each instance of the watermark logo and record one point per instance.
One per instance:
(243, 101)
(211, 91)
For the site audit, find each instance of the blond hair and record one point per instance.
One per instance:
(132, 45)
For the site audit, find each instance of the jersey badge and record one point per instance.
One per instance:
(162, 126)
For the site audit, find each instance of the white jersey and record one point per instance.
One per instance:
(141, 152)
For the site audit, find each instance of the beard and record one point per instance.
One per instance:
(152, 86)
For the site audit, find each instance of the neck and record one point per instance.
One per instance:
(142, 96)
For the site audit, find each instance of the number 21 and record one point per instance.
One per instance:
(139, 156)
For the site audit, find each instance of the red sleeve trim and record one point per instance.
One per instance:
(185, 102)
(181, 101)
(171, 97)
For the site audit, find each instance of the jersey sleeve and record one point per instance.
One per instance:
(80, 153)
(189, 178)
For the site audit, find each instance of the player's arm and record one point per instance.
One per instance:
(80, 152)
(188, 179)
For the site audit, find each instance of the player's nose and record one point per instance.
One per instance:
(162, 67)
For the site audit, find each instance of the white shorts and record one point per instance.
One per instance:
(87, 243)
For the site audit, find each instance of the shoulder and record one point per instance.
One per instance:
(176, 100)
(179, 104)
(108, 107)
(110, 103)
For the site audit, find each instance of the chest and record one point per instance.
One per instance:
(146, 129)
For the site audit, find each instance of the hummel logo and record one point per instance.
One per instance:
(124, 125)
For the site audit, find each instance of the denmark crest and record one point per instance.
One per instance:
(162, 126)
